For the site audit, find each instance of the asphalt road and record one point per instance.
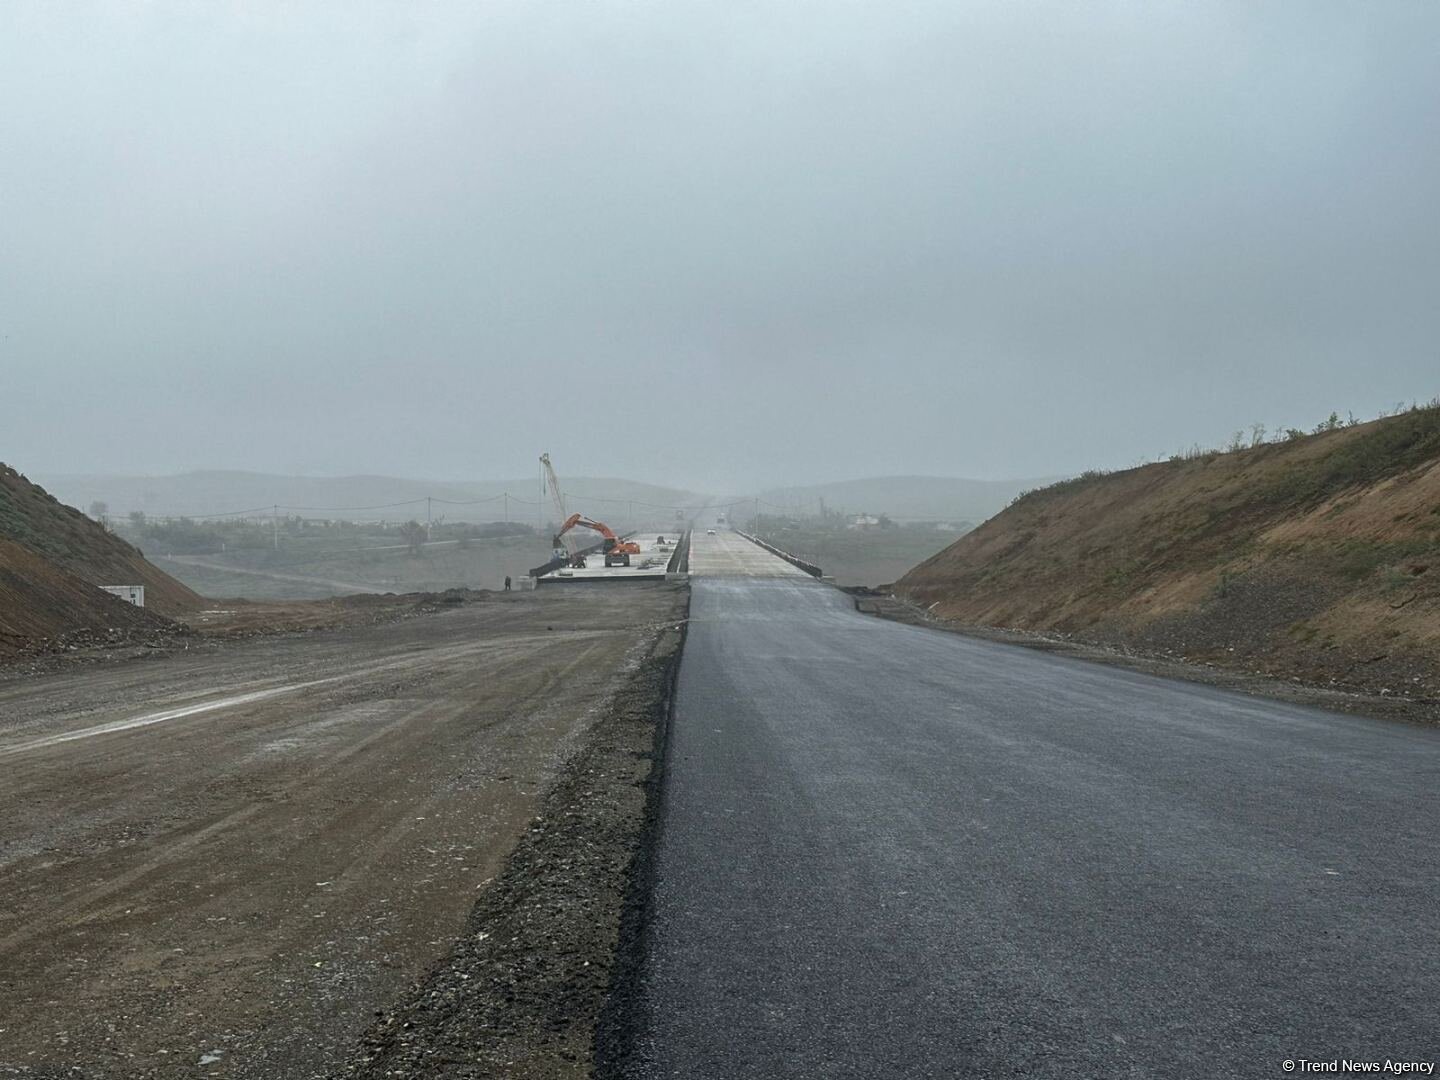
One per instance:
(888, 851)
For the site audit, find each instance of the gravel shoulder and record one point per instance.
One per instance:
(1336, 696)
(537, 986)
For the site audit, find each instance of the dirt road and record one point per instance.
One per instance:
(175, 561)
(222, 863)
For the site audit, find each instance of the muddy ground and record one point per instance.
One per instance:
(225, 860)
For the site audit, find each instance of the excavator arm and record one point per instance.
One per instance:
(586, 523)
(617, 551)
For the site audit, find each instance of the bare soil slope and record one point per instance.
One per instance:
(39, 600)
(52, 557)
(1317, 558)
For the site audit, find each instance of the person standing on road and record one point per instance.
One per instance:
(507, 582)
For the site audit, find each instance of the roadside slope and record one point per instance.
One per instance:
(65, 550)
(1317, 558)
(39, 600)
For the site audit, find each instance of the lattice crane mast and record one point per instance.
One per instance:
(565, 542)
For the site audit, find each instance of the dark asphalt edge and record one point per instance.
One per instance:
(1422, 711)
(619, 1027)
(534, 986)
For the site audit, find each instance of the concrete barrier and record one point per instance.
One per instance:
(680, 557)
(809, 567)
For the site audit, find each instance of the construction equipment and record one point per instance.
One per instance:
(548, 479)
(617, 551)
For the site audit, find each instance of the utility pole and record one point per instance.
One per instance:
(275, 524)
(427, 517)
(506, 497)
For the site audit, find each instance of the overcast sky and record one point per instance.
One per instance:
(719, 245)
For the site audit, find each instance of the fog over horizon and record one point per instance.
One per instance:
(719, 246)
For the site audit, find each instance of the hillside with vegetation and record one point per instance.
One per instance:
(52, 558)
(1314, 557)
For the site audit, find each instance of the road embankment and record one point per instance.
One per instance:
(1315, 560)
(1349, 699)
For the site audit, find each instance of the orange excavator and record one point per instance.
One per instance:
(617, 551)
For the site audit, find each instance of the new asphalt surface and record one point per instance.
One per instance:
(888, 851)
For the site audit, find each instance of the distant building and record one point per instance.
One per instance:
(131, 594)
(864, 521)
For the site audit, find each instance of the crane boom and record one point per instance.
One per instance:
(617, 551)
(553, 483)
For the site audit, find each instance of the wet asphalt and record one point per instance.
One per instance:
(888, 851)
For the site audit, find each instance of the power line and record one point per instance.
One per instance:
(273, 509)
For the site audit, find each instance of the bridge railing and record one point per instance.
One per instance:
(680, 558)
(794, 560)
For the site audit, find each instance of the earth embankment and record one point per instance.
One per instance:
(1316, 558)
(52, 561)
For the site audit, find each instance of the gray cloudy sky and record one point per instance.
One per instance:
(717, 244)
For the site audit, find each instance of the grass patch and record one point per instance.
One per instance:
(1358, 560)
(1390, 446)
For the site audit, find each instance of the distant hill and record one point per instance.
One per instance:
(907, 498)
(52, 558)
(1317, 557)
(362, 498)
(372, 498)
